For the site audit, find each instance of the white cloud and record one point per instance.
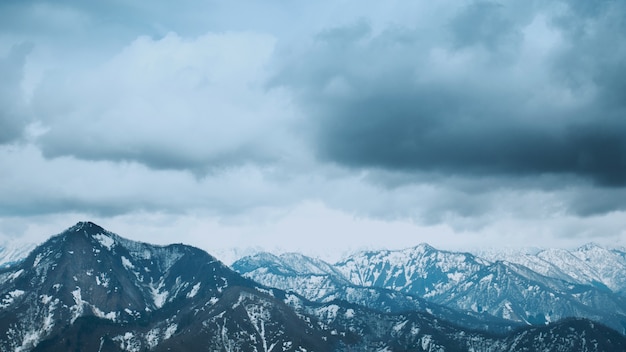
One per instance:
(172, 103)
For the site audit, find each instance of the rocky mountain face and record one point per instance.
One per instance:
(527, 289)
(88, 289)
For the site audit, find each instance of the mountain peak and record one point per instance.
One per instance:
(89, 277)
(91, 234)
(589, 246)
(87, 226)
(424, 247)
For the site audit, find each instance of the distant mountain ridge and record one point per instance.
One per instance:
(589, 264)
(88, 289)
(524, 288)
(14, 251)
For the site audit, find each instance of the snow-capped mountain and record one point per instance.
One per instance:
(88, 289)
(530, 289)
(319, 281)
(587, 265)
(608, 265)
(12, 252)
(514, 292)
(134, 296)
(423, 270)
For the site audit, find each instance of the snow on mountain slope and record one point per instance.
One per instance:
(588, 265)
(312, 278)
(566, 284)
(608, 265)
(531, 261)
(88, 279)
(421, 270)
(514, 292)
(11, 252)
(530, 288)
(571, 265)
(309, 266)
(416, 331)
(90, 290)
(315, 285)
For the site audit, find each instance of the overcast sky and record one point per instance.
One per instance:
(316, 126)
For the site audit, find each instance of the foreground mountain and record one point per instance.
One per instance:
(532, 289)
(90, 290)
(88, 287)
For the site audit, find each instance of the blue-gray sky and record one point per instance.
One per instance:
(316, 126)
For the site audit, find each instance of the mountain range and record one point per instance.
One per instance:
(88, 289)
(529, 289)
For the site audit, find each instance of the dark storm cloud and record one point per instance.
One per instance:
(13, 112)
(377, 101)
(596, 54)
(591, 202)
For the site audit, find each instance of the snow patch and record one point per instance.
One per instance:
(37, 260)
(330, 311)
(48, 321)
(152, 338)
(128, 342)
(77, 310)
(266, 291)
(16, 274)
(194, 291)
(105, 241)
(102, 280)
(258, 315)
(426, 342)
(159, 298)
(31, 339)
(456, 277)
(169, 332)
(399, 326)
(507, 311)
(10, 298)
(127, 264)
(349, 313)
(486, 279)
(100, 314)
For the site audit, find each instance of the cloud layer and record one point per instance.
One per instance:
(475, 119)
(171, 103)
(506, 92)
